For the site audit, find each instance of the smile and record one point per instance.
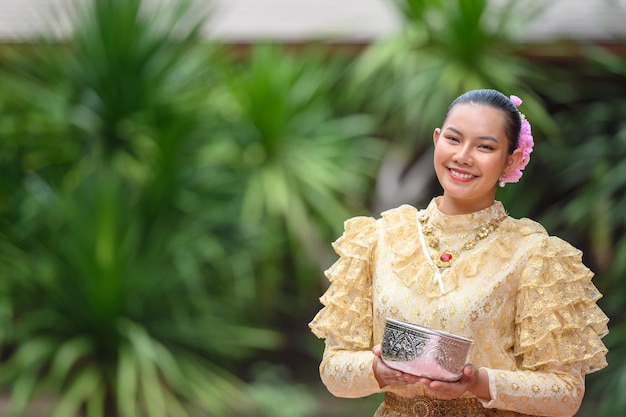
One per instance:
(461, 175)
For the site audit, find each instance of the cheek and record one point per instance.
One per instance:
(498, 166)
(441, 152)
(439, 159)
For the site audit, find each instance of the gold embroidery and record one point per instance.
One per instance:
(531, 282)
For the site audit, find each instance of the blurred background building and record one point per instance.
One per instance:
(346, 21)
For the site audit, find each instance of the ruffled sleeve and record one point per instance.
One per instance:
(347, 315)
(558, 320)
(345, 321)
(558, 332)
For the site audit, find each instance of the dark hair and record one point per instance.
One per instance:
(496, 100)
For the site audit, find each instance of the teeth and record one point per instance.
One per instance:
(464, 176)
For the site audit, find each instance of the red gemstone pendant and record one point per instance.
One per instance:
(445, 257)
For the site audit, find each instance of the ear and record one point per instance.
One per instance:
(436, 134)
(513, 160)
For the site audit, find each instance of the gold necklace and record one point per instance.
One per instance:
(446, 256)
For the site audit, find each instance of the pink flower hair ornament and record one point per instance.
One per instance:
(525, 142)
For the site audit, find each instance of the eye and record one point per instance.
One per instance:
(486, 146)
(452, 138)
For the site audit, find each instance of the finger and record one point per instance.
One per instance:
(425, 381)
(412, 379)
(386, 369)
(470, 374)
(470, 370)
(404, 380)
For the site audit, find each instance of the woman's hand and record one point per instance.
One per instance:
(387, 376)
(474, 380)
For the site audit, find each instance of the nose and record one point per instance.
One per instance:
(463, 155)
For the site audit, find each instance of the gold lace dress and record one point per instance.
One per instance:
(524, 297)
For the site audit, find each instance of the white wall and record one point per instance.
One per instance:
(343, 20)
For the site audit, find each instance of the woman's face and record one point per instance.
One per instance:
(471, 154)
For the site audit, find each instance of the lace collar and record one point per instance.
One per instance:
(461, 223)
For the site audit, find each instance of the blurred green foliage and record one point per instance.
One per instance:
(293, 167)
(112, 251)
(166, 206)
(584, 197)
(443, 49)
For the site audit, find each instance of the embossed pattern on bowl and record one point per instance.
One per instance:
(423, 351)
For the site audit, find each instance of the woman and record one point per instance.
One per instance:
(463, 266)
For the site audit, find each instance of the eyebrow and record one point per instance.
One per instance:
(458, 132)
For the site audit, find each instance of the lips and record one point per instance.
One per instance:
(461, 175)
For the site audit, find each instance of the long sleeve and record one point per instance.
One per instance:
(525, 298)
(345, 322)
(558, 334)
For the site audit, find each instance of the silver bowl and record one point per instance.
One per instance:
(425, 352)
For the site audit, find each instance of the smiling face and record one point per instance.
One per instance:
(471, 154)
